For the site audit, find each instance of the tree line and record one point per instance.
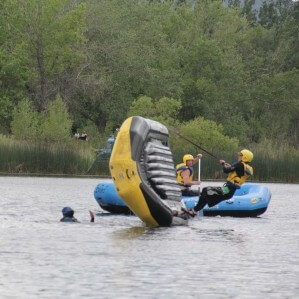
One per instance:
(204, 64)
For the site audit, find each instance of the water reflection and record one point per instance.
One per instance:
(216, 235)
(131, 233)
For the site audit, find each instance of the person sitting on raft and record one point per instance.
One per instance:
(184, 173)
(237, 175)
(68, 215)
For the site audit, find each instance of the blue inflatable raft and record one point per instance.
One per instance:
(108, 199)
(251, 200)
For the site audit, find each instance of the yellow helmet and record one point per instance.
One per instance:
(247, 155)
(187, 157)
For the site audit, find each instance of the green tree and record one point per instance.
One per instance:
(26, 122)
(248, 10)
(206, 133)
(276, 106)
(286, 34)
(102, 55)
(130, 56)
(54, 31)
(5, 113)
(14, 71)
(143, 106)
(213, 72)
(43, 45)
(57, 125)
(274, 12)
(164, 110)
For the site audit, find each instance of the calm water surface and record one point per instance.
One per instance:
(117, 257)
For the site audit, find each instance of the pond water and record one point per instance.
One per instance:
(118, 257)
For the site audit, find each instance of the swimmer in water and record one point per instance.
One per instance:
(68, 215)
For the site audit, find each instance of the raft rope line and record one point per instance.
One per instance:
(196, 145)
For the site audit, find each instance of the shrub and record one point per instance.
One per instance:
(205, 133)
(57, 125)
(164, 110)
(26, 122)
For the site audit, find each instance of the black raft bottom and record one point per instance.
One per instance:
(116, 209)
(239, 213)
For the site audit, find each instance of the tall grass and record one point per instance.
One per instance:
(271, 162)
(275, 163)
(23, 157)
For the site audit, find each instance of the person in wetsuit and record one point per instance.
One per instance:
(237, 175)
(68, 215)
(184, 173)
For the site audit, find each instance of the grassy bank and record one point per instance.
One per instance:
(277, 164)
(76, 158)
(23, 157)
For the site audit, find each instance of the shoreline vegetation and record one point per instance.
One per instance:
(74, 159)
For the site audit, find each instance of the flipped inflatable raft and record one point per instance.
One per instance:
(143, 172)
(251, 200)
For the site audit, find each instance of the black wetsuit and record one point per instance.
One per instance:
(68, 219)
(187, 191)
(214, 195)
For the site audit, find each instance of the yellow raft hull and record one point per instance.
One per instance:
(143, 172)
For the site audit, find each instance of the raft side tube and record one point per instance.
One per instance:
(251, 200)
(106, 196)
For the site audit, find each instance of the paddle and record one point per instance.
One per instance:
(196, 145)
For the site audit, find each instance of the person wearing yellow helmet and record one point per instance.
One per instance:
(237, 175)
(185, 174)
